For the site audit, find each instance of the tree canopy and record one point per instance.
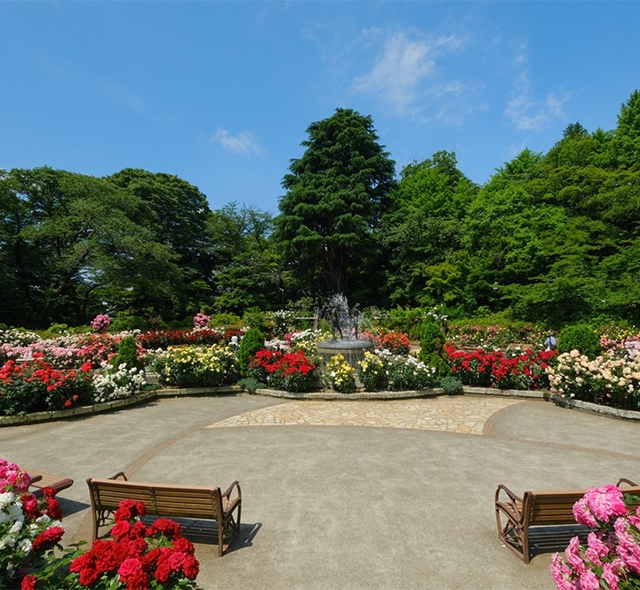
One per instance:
(551, 237)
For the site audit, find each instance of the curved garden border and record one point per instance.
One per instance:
(316, 395)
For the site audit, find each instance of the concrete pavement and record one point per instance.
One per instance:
(382, 495)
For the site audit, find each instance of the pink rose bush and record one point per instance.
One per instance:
(611, 558)
(100, 323)
(200, 320)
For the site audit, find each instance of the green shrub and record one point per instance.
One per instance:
(579, 337)
(55, 330)
(252, 342)
(250, 384)
(128, 322)
(258, 319)
(451, 385)
(432, 341)
(404, 320)
(127, 354)
(226, 321)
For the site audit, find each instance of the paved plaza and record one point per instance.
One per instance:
(352, 495)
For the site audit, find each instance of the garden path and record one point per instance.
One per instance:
(466, 414)
(336, 503)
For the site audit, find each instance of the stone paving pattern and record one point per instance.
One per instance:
(467, 415)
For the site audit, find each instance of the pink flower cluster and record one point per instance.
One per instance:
(201, 320)
(100, 323)
(611, 558)
(11, 476)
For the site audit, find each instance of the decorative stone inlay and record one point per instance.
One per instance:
(446, 414)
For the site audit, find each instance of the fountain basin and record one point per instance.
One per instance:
(352, 350)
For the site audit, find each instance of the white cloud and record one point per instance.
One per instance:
(243, 143)
(402, 67)
(528, 113)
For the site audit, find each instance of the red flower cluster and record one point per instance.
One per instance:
(292, 371)
(283, 364)
(50, 388)
(139, 555)
(495, 369)
(394, 342)
(96, 348)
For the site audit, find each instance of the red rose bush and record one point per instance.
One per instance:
(136, 557)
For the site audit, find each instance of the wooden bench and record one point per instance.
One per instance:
(169, 501)
(41, 480)
(541, 520)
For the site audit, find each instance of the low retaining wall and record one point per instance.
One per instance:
(576, 404)
(316, 395)
(118, 404)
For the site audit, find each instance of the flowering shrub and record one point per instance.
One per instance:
(203, 366)
(605, 380)
(395, 342)
(66, 352)
(405, 372)
(611, 559)
(28, 528)
(371, 372)
(155, 339)
(37, 386)
(111, 383)
(291, 371)
(137, 557)
(100, 323)
(18, 337)
(201, 320)
(307, 341)
(342, 375)
(523, 370)
(468, 334)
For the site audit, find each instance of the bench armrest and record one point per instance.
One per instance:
(508, 492)
(227, 494)
(119, 475)
(624, 480)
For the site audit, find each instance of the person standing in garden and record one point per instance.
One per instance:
(551, 343)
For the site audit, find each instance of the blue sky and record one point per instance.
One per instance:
(221, 93)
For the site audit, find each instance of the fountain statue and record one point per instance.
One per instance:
(345, 331)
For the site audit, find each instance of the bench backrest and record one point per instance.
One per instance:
(160, 499)
(545, 508)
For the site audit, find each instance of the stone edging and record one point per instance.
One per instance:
(118, 404)
(576, 404)
(35, 417)
(382, 395)
(357, 395)
(316, 395)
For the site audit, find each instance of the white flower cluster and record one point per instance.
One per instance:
(406, 371)
(18, 337)
(16, 538)
(575, 371)
(112, 383)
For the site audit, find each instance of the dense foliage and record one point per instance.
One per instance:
(552, 238)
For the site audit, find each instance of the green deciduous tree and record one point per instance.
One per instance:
(246, 266)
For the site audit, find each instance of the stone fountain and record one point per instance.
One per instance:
(345, 331)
